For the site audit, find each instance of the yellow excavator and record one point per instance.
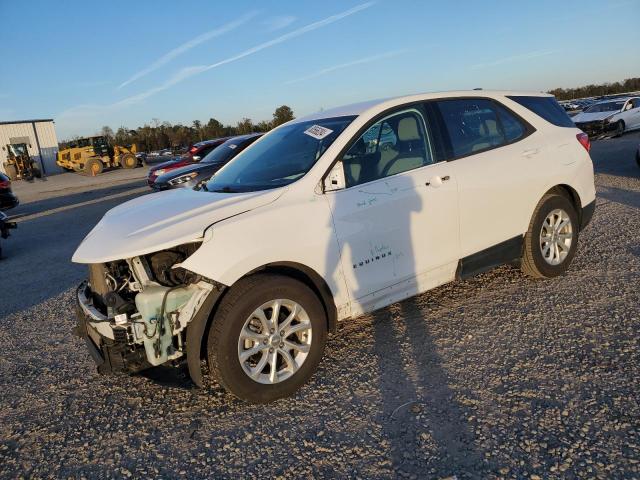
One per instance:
(91, 155)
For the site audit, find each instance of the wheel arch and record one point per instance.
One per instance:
(200, 326)
(311, 279)
(571, 194)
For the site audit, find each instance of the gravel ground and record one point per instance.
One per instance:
(500, 376)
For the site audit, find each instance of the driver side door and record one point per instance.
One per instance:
(396, 219)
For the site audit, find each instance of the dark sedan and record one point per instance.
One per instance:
(7, 197)
(196, 153)
(191, 175)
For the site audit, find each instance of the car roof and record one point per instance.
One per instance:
(356, 109)
(209, 142)
(611, 100)
(241, 138)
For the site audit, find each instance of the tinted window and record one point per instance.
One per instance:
(511, 126)
(282, 156)
(605, 107)
(393, 145)
(228, 150)
(547, 108)
(472, 125)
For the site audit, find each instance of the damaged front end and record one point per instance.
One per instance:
(136, 313)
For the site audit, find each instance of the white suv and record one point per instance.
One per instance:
(328, 217)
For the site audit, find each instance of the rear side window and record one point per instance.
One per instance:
(547, 108)
(474, 125)
(512, 127)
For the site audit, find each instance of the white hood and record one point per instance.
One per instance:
(592, 117)
(162, 220)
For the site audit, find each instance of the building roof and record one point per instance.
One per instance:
(36, 120)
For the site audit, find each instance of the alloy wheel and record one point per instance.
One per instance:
(556, 237)
(275, 341)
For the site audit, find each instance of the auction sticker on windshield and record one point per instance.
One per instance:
(317, 132)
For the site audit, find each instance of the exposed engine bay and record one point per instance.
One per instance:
(136, 310)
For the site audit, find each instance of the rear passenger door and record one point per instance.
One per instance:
(494, 159)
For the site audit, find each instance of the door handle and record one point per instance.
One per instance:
(437, 181)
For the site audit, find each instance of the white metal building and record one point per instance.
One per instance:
(40, 137)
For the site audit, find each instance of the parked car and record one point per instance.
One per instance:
(192, 175)
(196, 153)
(5, 226)
(610, 117)
(319, 222)
(7, 197)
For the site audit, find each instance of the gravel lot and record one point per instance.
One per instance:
(500, 376)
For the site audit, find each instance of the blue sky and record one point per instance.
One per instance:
(122, 63)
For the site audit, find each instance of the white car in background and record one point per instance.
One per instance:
(328, 217)
(610, 117)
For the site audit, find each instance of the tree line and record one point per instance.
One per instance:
(160, 135)
(628, 85)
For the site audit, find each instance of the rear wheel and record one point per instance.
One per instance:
(552, 239)
(93, 167)
(267, 338)
(128, 160)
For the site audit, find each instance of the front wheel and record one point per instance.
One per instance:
(128, 160)
(267, 338)
(619, 128)
(552, 238)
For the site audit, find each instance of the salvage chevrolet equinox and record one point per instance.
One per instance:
(325, 218)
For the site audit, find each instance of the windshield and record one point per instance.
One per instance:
(227, 150)
(605, 107)
(280, 157)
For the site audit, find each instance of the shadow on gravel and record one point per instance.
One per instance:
(630, 198)
(169, 376)
(413, 397)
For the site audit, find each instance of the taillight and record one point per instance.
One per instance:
(5, 183)
(583, 138)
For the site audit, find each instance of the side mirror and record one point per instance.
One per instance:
(335, 179)
(196, 158)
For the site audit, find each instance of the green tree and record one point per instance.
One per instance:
(197, 126)
(244, 126)
(282, 115)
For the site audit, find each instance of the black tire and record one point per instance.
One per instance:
(128, 160)
(93, 167)
(619, 128)
(533, 262)
(236, 307)
(638, 157)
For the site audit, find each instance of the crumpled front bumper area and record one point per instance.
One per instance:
(108, 343)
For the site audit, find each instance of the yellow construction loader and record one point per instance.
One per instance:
(91, 155)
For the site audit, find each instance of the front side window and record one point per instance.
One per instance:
(283, 156)
(472, 125)
(395, 144)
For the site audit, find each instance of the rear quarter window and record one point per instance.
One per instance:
(547, 108)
